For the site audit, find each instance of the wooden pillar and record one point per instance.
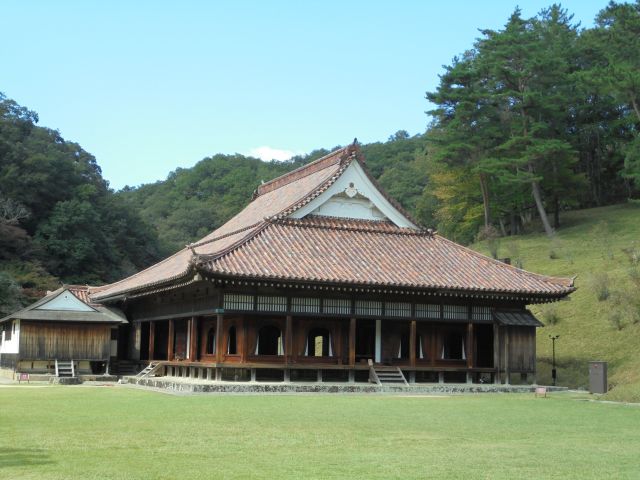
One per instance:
(219, 344)
(171, 340)
(412, 344)
(496, 353)
(352, 341)
(507, 369)
(470, 352)
(193, 341)
(378, 344)
(288, 340)
(152, 339)
(244, 345)
(434, 345)
(337, 350)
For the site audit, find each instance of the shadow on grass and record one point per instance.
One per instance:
(23, 458)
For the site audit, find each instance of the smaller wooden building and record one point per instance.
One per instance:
(63, 326)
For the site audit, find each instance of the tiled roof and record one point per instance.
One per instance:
(262, 242)
(282, 195)
(517, 318)
(82, 293)
(97, 314)
(374, 253)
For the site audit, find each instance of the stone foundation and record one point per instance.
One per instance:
(185, 386)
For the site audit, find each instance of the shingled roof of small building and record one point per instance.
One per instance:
(95, 313)
(263, 242)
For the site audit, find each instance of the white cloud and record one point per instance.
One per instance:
(268, 153)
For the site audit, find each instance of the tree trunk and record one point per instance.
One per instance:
(556, 212)
(635, 108)
(535, 190)
(514, 222)
(502, 227)
(485, 199)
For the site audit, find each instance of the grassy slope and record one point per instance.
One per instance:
(589, 241)
(121, 433)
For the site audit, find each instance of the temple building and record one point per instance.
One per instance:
(324, 277)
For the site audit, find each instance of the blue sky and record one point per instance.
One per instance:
(149, 86)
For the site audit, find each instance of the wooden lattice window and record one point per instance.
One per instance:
(481, 313)
(305, 305)
(428, 310)
(456, 312)
(397, 309)
(272, 304)
(368, 307)
(337, 306)
(236, 301)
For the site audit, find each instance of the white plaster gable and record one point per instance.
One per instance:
(66, 301)
(353, 195)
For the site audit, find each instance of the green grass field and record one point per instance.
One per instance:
(589, 241)
(123, 433)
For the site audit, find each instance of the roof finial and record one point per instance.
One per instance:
(355, 141)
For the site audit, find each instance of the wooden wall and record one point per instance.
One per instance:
(44, 341)
(522, 349)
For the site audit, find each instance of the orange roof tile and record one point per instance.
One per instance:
(291, 191)
(365, 252)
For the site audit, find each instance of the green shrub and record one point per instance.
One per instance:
(600, 283)
(550, 315)
(615, 319)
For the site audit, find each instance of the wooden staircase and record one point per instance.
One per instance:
(65, 368)
(149, 369)
(386, 375)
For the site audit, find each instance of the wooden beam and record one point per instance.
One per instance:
(152, 339)
(193, 341)
(470, 352)
(171, 340)
(352, 341)
(288, 340)
(219, 344)
(412, 343)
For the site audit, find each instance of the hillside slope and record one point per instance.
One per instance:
(591, 245)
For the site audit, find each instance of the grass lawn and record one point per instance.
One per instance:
(118, 432)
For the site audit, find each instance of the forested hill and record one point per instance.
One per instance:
(534, 119)
(192, 202)
(59, 221)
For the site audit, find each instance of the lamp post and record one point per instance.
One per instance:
(553, 358)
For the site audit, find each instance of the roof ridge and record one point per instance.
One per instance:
(320, 164)
(260, 227)
(375, 226)
(191, 246)
(563, 281)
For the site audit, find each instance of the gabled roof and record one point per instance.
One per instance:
(69, 303)
(273, 199)
(266, 241)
